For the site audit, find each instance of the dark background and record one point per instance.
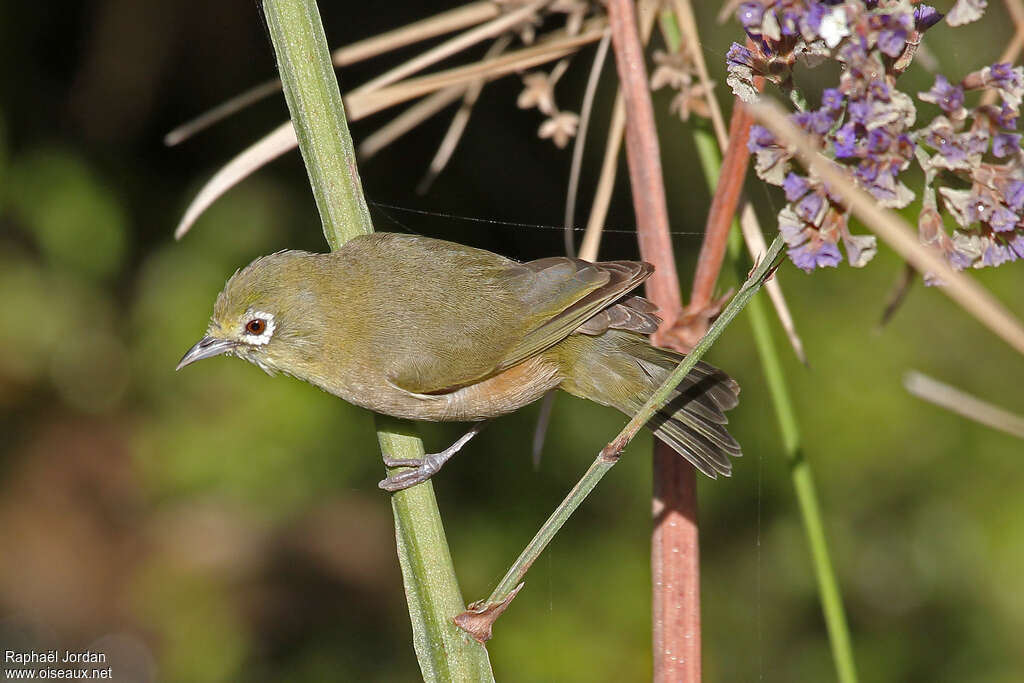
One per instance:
(217, 525)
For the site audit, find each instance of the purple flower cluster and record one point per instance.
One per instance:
(974, 169)
(973, 162)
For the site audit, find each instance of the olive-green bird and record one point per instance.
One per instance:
(425, 329)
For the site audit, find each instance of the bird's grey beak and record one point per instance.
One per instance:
(207, 347)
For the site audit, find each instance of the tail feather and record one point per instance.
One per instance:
(622, 370)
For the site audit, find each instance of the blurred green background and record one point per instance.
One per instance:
(219, 525)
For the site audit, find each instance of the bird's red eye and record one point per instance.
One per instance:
(256, 326)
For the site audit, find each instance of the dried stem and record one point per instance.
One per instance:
(439, 24)
(964, 404)
(586, 111)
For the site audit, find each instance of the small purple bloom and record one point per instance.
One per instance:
(1007, 117)
(846, 141)
(749, 15)
(892, 41)
(1014, 195)
(739, 55)
(860, 111)
(795, 186)
(879, 91)
(879, 141)
(820, 122)
(809, 208)
(832, 99)
(978, 209)
(811, 19)
(996, 255)
(809, 256)
(790, 23)
(926, 16)
(948, 97)
(1005, 144)
(1001, 74)
(1002, 219)
(760, 139)
(1017, 245)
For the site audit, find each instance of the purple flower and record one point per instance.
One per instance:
(1005, 144)
(925, 17)
(809, 208)
(1014, 195)
(1002, 219)
(817, 122)
(996, 255)
(760, 139)
(810, 22)
(860, 111)
(1006, 118)
(832, 100)
(790, 23)
(846, 141)
(892, 41)
(879, 141)
(879, 91)
(949, 98)
(1001, 74)
(809, 255)
(739, 55)
(796, 186)
(1017, 245)
(750, 14)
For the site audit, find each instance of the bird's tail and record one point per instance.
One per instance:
(621, 369)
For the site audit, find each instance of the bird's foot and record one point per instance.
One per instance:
(420, 470)
(423, 468)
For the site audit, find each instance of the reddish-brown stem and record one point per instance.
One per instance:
(644, 162)
(674, 543)
(720, 218)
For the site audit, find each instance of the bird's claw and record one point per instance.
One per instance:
(420, 469)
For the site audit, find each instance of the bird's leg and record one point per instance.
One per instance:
(427, 466)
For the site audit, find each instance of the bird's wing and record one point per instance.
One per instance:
(507, 313)
(565, 294)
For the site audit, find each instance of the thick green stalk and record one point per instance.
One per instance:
(444, 651)
(800, 470)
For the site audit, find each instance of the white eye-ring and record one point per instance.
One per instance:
(259, 328)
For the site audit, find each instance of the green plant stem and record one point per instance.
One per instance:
(800, 469)
(311, 89)
(609, 455)
(803, 480)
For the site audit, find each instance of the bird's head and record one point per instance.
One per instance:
(265, 314)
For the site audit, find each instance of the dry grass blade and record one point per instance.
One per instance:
(894, 230)
(459, 121)
(605, 183)
(757, 248)
(586, 110)
(222, 111)
(408, 120)
(431, 27)
(963, 404)
(282, 139)
(491, 29)
(559, 45)
(271, 146)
